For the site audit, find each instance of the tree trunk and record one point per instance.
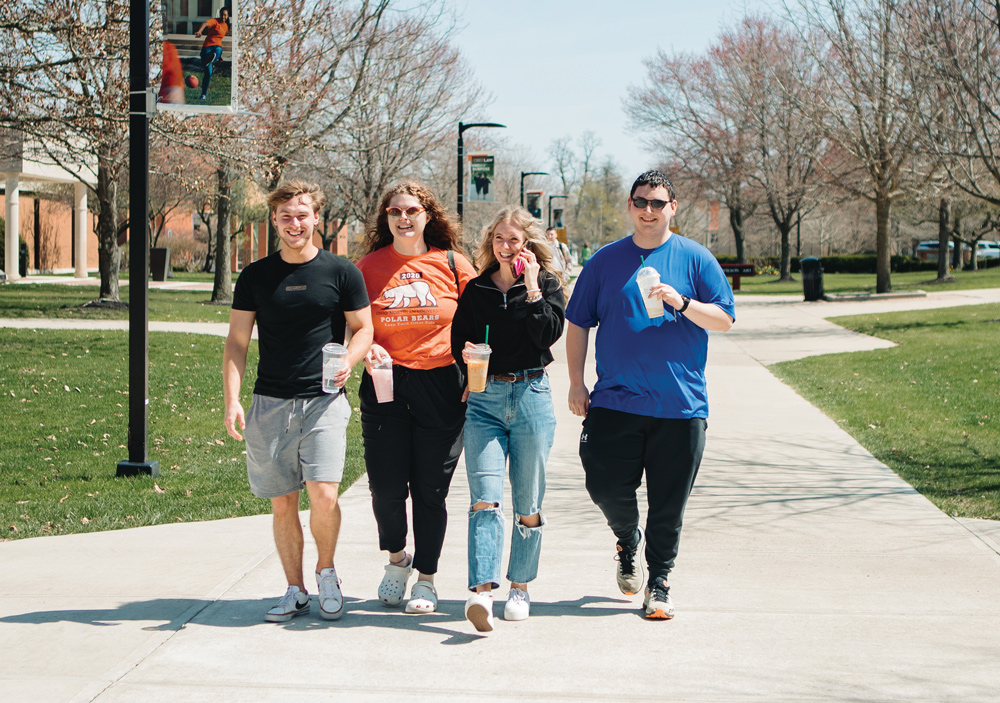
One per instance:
(222, 290)
(108, 254)
(736, 224)
(944, 227)
(882, 207)
(786, 251)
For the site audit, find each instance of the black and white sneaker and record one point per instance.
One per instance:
(294, 602)
(658, 603)
(630, 571)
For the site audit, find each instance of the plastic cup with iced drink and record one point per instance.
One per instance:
(334, 359)
(479, 367)
(646, 279)
(382, 379)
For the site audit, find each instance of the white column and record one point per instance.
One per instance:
(13, 227)
(80, 214)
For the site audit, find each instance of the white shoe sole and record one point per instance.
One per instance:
(284, 617)
(327, 615)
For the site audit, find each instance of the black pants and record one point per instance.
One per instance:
(412, 446)
(616, 448)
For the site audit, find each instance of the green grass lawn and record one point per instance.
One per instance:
(928, 408)
(64, 302)
(219, 89)
(64, 396)
(865, 282)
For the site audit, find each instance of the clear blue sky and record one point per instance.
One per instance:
(558, 68)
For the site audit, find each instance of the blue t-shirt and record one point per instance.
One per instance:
(653, 367)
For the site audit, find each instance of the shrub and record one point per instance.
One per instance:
(187, 254)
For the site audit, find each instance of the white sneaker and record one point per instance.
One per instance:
(331, 600)
(294, 602)
(479, 610)
(518, 604)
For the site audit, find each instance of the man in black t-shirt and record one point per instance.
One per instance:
(301, 298)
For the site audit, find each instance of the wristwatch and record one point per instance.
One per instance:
(687, 301)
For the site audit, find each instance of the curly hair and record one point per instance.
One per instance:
(533, 234)
(440, 232)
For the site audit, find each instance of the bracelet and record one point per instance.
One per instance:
(687, 301)
(534, 290)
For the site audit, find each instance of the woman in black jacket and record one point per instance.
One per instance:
(519, 296)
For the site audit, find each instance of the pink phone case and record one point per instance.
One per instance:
(518, 266)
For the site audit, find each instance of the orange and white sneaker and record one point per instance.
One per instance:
(658, 603)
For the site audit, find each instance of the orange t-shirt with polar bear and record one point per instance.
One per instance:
(414, 299)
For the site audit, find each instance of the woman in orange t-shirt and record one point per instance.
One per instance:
(414, 277)
(211, 51)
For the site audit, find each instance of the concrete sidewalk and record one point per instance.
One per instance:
(808, 571)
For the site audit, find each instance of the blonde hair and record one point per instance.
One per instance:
(293, 188)
(533, 234)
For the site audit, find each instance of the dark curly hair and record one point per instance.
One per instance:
(440, 232)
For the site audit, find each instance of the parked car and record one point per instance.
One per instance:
(988, 250)
(928, 251)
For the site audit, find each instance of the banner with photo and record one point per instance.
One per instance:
(533, 203)
(481, 177)
(200, 56)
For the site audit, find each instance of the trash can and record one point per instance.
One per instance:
(812, 278)
(22, 259)
(159, 262)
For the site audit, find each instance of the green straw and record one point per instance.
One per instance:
(642, 261)
(487, 342)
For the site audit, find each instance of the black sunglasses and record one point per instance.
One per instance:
(641, 203)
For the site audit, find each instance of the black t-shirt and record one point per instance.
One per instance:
(300, 308)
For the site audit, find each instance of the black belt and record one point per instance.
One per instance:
(514, 377)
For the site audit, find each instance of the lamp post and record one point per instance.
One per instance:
(138, 462)
(529, 173)
(459, 207)
(550, 206)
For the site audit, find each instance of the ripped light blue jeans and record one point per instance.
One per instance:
(512, 421)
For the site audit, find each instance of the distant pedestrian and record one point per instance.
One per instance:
(301, 298)
(561, 254)
(585, 254)
(647, 414)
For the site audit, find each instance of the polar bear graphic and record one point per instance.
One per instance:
(402, 295)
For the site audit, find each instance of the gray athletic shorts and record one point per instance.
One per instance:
(291, 441)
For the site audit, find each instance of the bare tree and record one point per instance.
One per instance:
(416, 88)
(866, 105)
(777, 72)
(957, 52)
(692, 109)
(308, 67)
(64, 83)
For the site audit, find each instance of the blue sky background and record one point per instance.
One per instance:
(558, 68)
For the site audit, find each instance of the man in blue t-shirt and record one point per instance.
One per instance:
(648, 411)
(301, 298)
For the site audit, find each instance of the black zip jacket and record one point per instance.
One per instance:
(520, 332)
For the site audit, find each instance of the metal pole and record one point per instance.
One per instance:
(523, 174)
(138, 297)
(459, 206)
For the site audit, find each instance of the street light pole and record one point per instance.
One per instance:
(529, 173)
(550, 206)
(138, 462)
(459, 207)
